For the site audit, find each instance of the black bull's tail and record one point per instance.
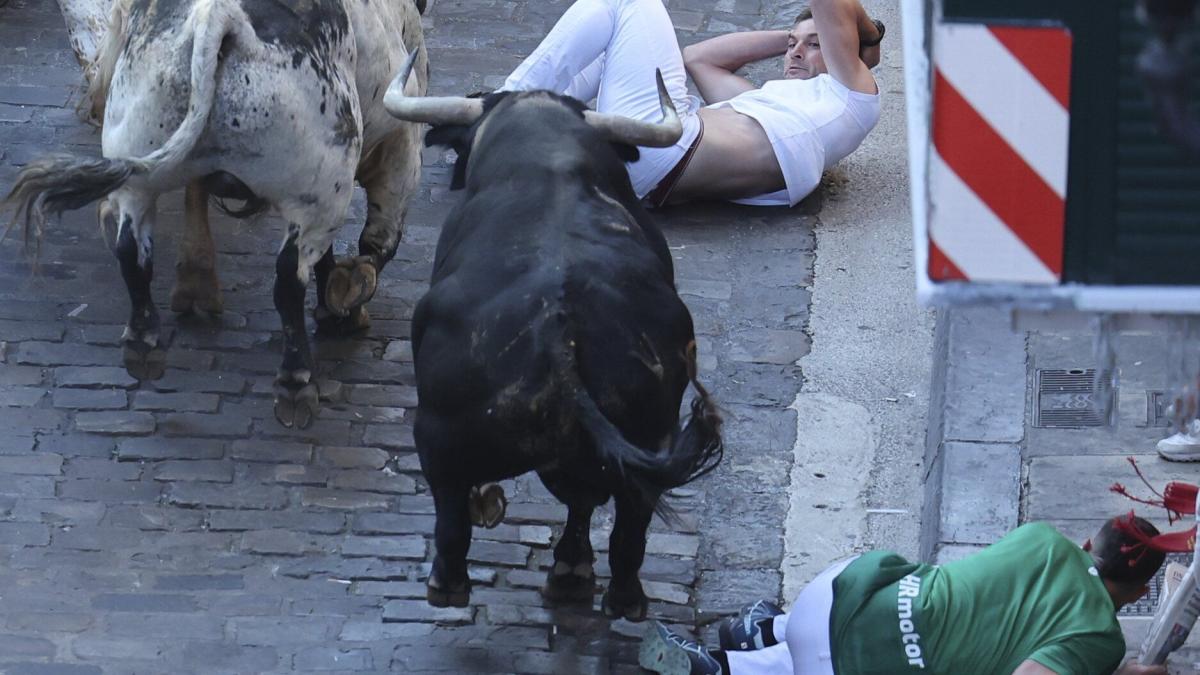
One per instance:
(696, 448)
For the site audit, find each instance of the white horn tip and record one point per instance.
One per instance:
(395, 91)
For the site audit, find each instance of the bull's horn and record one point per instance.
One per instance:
(649, 134)
(431, 109)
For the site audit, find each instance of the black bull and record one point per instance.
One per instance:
(552, 339)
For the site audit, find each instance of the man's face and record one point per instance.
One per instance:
(803, 57)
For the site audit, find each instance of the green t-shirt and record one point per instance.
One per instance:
(1032, 595)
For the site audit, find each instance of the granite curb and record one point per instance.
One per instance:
(976, 427)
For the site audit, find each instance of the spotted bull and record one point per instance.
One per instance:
(552, 338)
(274, 102)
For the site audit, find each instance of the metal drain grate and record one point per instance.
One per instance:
(1156, 409)
(1065, 399)
(1149, 602)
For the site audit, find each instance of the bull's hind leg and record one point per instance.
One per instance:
(131, 215)
(449, 585)
(389, 174)
(572, 577)
(626, 551)
(310, 231)
(296, 395)
(196, 285)
(328, 323)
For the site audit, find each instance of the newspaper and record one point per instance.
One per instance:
(1172, 577)
(1178, 607)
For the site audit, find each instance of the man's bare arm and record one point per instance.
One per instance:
(712, 64)
(841, 26)
(1031, 667)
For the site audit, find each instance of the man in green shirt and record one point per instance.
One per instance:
(1033, 603)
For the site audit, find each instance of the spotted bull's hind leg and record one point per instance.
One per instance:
(196, 284)
(328, 323)
(389, 174)
(310, 231)
(131, 215)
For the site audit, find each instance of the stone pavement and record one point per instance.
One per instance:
(994, 463)
(173, 526)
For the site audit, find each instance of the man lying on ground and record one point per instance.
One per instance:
(1033, 603)
(762, 146)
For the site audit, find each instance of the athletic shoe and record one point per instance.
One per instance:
(669, 654)
(1183, 446)
(741, 633)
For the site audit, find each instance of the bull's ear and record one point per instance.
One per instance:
(627, 153)
(449, 135)
(458, 138)
(459, 180)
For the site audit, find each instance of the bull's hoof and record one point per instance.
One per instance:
(332, 325)
(144, 361)
(296, 404)
(487, 505)
(570, 584)
(196, 289)
(351, 284)
(634, 607)
(456, 595)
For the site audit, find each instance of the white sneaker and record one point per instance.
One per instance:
(1183, 446)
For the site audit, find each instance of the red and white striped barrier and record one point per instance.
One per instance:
(998, 165)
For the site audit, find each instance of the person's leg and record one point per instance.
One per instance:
(574, 44)
(609, 50)
(1183, 446)
(807, 631)
(665, 652)
(752, 628)
(643, 42)
(586, 85)
(635, 37)
(779, 626)
(776, 660)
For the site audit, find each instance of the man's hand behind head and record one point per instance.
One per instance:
(869, 55)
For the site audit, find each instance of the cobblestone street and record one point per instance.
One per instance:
(175, 527)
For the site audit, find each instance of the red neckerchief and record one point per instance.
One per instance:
(1178, 499)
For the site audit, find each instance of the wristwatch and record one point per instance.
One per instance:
(871, 43)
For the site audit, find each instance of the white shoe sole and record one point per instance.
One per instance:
(1179, 458)
(659, 656)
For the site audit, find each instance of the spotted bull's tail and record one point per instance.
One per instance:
(99, 72)
(60, 183)
(696, 448)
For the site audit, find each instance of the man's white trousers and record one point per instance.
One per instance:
(608, 50)
(803, 635)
